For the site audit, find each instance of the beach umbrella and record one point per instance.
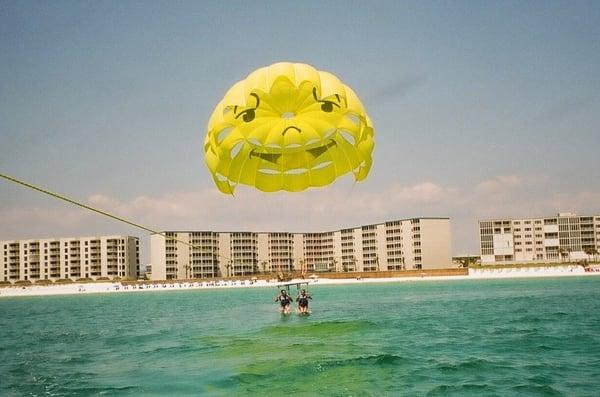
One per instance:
(288, 126)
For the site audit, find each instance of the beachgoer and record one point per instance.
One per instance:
(302, 300)
(285, 301)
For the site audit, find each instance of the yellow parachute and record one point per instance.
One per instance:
(288, 127)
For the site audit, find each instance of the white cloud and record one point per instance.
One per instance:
(423, 192)
(499, 184)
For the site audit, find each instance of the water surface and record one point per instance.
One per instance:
(480, 337)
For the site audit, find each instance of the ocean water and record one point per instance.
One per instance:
(484, 337)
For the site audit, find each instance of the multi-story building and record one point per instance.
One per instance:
(564, 237)
(69, 258)
(418, 243)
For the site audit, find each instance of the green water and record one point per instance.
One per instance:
(506, 337)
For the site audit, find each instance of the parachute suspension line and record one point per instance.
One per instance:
(97, 210)
(347, 196)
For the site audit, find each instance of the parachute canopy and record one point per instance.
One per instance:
(288, 127)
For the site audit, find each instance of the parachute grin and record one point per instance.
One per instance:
(293, 160)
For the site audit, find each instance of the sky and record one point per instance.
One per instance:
(481, 109)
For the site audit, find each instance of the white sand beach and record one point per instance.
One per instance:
(117, 287)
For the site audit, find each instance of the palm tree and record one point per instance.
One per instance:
(263, 266)
(228, 267)
(303, 269)
(588, 252)
(565, 252)
(334, 264)
(353, 263)
(467, 261)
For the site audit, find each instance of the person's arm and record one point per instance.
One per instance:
(277, 298)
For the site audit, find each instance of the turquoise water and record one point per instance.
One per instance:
(505, 337)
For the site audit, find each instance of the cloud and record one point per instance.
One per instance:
(428, 192)
(499, 184)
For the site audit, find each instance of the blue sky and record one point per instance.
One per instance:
(481, 109)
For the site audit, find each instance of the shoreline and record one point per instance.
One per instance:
(118, 287)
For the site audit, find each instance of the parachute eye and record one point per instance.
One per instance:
(248, 115)
(327, 107)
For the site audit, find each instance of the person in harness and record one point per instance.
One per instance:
(302, 300)
(285, 301)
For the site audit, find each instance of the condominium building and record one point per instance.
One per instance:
(419, 243)
(69, 258)
(564, 237)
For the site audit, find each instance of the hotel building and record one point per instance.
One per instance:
(69, 258)
(564, 237)
(419, 243)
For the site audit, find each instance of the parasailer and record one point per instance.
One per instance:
(288, 127)
(285, 301)
(302, 300)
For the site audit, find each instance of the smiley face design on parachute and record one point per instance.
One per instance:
(288, 127)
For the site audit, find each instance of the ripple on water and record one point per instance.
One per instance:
(465, 389)
(536, 390)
